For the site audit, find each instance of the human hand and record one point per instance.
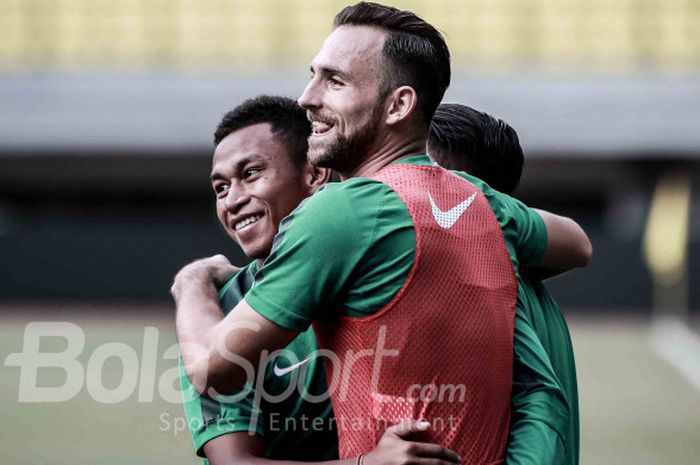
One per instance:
(210, 271)
(395, 448)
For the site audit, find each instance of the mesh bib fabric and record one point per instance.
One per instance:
(442, 349)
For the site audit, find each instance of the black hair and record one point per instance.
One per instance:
(287, 118)
(416, 52)
(462, 138)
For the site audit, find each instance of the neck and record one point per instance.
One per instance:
(387, 153)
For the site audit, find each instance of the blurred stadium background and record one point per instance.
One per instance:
(107, 110)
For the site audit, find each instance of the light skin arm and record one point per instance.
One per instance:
(220, 353)
(394, 448)
(568, 246)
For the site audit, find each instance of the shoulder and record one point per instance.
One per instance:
(235, 288)
(341, 209)
(348, 194)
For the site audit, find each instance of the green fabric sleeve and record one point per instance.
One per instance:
(208, 419)
(552, 330)
(348, 249)
(535, 443)
(531, 232)
(540, 411)
(523, 228)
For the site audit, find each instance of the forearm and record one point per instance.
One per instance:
(394, 448)
(252, 460)
(226, 353)
(197, 317)
(264, 461)
(568, 246)
(244, 449)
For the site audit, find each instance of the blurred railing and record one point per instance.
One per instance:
(243, 34)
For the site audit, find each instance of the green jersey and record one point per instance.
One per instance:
(288, 406)
(348, 250)
(550, 326)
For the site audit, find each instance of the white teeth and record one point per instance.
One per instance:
(247, 221)
(319, 127)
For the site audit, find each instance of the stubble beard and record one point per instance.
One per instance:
(346, 152)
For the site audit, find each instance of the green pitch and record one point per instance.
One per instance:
(635, 408)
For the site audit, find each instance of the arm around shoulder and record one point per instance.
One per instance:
(568, 246)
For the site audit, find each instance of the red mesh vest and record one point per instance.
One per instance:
(450, 328)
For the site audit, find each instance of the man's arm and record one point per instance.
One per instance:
(394, 448)
(219, 353)
(222, 353)
(568, 246)
(313, 259)
(208, 419)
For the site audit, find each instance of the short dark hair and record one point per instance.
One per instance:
(462, 138)
(415, 50)
(287, 118)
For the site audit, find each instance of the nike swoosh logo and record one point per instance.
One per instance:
(283, 371)
(449, 218)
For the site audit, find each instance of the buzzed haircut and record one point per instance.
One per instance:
(415, 51)
(287, 119)
(464, 139)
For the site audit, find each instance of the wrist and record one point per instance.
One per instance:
(193, 283)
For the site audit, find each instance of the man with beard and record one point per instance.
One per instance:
(403, 267)
(259, 175)
(464, 139)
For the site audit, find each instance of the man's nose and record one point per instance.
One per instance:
(310, 98)
(235, 198)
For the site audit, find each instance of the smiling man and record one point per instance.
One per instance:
(408, 271)
(259, 175)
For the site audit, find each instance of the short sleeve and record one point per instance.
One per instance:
(208, 419)
(528, 230)
(315, 254)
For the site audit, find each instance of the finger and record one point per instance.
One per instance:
(219, 259)
(407, 427)
(427, 461)
(427, 450)
(224, 273)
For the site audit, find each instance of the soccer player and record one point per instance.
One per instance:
(464, 139)
(403, 267)
(260, 174)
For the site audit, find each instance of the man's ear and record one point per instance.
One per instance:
(316, 177)
(401, 104)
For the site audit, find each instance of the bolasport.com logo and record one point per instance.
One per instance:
(139, 376)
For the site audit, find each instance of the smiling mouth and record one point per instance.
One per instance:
(247, 222)
(319, 128)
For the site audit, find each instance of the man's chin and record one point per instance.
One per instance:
(327, 156)
(317, 155)
(257, 252)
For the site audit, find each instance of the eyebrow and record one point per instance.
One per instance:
(238, 166)
(329, 70)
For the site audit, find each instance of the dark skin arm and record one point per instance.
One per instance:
(394, 448)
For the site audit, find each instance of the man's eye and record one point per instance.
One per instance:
(220, 189)
(334, 82)
(251, 171)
